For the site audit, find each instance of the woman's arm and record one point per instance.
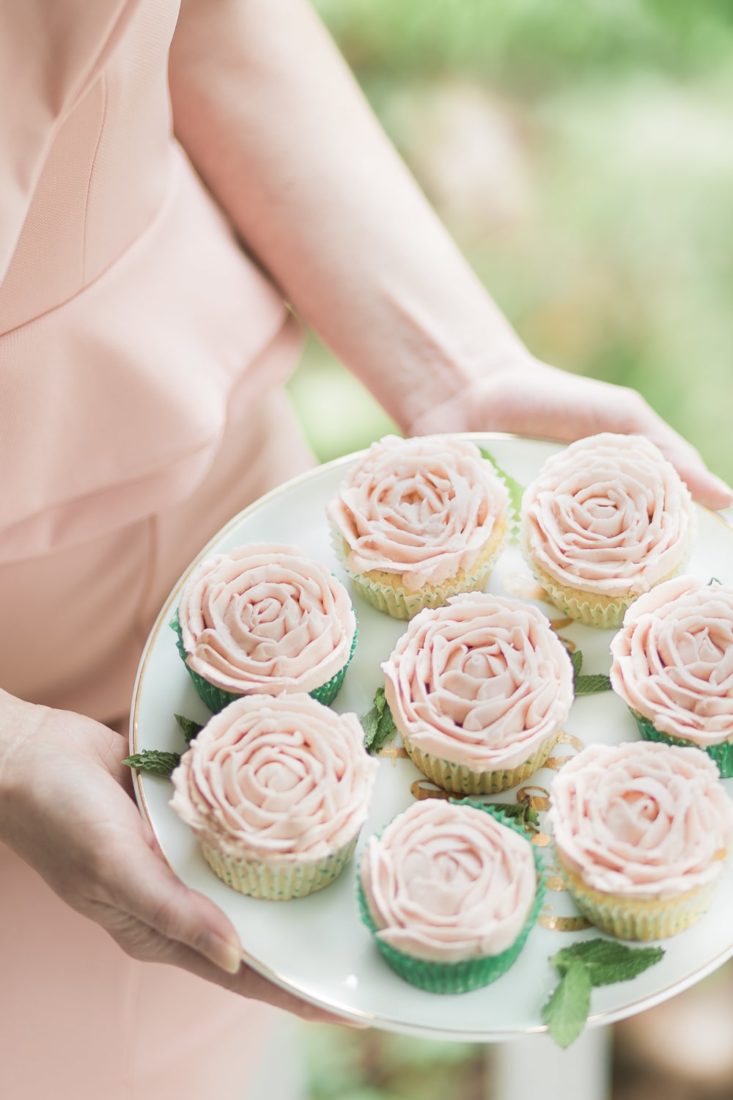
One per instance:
(275, 123)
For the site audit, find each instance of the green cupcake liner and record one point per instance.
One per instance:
(722, 753)
(460, 779)
(216, 699)
(469, 974)
(277, 882)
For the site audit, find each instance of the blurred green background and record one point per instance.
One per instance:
(582, 156)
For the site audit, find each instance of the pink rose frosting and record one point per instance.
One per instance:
(281, 779)
(641, 819)
(264, 618)
(423, 508)
(608, 515)
(673, 659)
(482, 681)
(447, 882)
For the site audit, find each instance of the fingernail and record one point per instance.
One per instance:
(223, 953)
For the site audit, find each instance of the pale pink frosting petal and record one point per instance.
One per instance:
(423, 508)
(280, 778)
(641, 819)
(609, 515)
(482, 681)
(673, 659)
(264, 618)
(447, 882)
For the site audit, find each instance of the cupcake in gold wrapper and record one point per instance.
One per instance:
(673, 666)
(479, 690)
(641, 831)
(419, 520)
(606, 520)
(276, 791)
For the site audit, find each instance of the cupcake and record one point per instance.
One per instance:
(276, 791)
(673, 666)
(450, 894)
(419, 520)
(605, 520)
(641, 832)
(263, 618)
(479, 690)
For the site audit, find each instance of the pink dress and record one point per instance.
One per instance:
(141, 353)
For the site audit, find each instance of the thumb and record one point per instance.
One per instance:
(154, 895)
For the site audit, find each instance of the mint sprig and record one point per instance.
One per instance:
(523, 813)
(153, 761)
(566, 1012)
(378, 723)
(592, 685)
(515, 490)
(607, 962)
(188, 727)
(582, 967)
(587, 685)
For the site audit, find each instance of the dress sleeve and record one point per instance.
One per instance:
(50, 50)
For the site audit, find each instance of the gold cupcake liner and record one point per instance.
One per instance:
(459, 779)
(590, 608)
(276, 881)
(638, 918)
(385, 591)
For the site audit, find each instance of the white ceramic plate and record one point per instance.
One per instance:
(316, 946)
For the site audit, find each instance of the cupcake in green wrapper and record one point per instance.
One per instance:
(479, 691)
(263, 618)
(641, 832)
(673, 666)
(606, 519)
(450, 892)
(419, 520)
(276, 790)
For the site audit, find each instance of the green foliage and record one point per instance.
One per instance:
(153, 761)
(378, 723)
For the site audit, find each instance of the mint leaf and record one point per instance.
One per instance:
(576, 659)
(153, 761)
(566, 1012)
(188, 727)
(607, 961)
(378, 723)
(592, 685)
(521, 812)
(516, 491)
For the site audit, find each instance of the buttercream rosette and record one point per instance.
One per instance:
(673, 666)
(418, 520)
(641, 831)
(276, 790)
(263, 618)
(479, 690)
(606, 519)
(450, 892)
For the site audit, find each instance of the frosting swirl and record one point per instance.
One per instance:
(264, 618)
(423, 508)
(281, 779)
(641, 819)
(447, 882)
(609, 515)
(673, 660)
(482, 681)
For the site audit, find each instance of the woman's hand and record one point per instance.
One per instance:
(531, 398)
(65, 808)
